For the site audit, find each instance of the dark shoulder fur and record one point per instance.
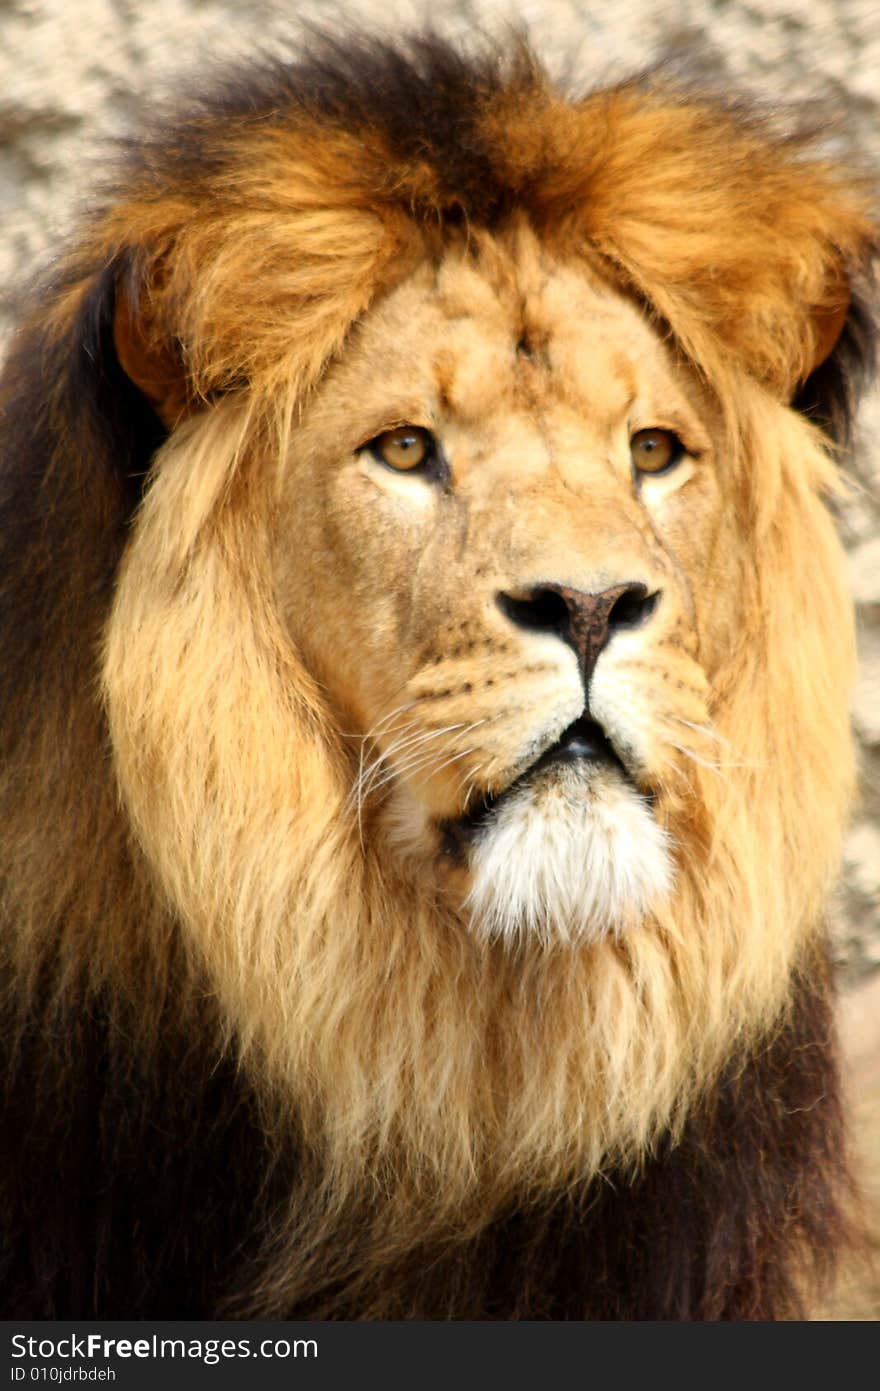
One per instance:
(153, 1185)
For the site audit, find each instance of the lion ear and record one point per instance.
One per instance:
(151, 361)
(828, 322)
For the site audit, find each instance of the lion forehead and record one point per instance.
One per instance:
(482, 345)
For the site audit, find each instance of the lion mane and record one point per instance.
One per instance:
(282, 1037)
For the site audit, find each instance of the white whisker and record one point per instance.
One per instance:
(426, 761)
(463, 753)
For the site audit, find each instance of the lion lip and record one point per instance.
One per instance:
(584, 741)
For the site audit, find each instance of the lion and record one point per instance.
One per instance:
(426, 657)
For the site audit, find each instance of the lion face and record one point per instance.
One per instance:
(503, 548)
(456, 706)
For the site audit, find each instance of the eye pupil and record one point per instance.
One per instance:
(655, 451)
(403, 448)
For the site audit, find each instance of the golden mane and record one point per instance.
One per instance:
(435, 1082)
(643, 1022)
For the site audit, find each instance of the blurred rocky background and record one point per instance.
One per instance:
(74, 73)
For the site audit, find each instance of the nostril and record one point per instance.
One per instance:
(542, 610)
(633, 608)
(585, 621)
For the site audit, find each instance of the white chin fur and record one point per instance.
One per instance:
(571, 858)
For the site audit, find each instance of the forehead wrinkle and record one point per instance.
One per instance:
(598, 374)
(473, 365)
(578, 323)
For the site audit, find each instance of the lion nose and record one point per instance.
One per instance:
(587, 622)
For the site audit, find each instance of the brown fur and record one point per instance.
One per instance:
(192, 891)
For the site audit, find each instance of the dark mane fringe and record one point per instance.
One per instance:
(133, 1179)
(423, 95)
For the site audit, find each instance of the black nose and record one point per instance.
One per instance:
(587, 622)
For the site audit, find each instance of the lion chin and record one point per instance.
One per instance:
(566, 854)
(569, 857)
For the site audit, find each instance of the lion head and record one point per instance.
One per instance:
(476, 662)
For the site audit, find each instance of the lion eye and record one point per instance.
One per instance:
(655, 451)
(403, 448)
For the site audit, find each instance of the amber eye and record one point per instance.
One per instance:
(404, 448)
(655, 451)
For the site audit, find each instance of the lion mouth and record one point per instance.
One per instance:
(584, 741)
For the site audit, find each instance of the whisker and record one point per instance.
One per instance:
(374, 729)
(715, 765)
(470, 783)
(387, 719)
(388, 765)
(420, 737)
(706, 731)
(419, 765)
(695, 758)
(418, 760)
(413, 744)
(463, 753)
